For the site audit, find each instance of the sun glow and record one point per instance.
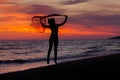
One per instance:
(101, 19)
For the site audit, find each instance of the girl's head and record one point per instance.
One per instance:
(51, 21)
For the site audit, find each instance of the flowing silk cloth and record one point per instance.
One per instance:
(37, 25)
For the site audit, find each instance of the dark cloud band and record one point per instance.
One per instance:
(69, 2)
(96, 20)
(44, 9)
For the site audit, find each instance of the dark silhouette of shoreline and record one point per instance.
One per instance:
(116, 37)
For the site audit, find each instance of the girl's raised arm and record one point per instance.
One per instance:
(66, 17)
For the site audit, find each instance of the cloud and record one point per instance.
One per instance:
(96, 20)
(6, 2)
(108, 20)
(88, 13)
(69, 2)
(10, 7)
(36, 9)
(9, 18)
(7, 7)
(94, 13)
(3, 0)
(5, 18)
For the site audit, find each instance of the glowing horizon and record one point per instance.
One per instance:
(99, 21)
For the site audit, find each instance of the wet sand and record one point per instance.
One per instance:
(90, 68)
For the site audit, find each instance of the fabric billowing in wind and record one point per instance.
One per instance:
(37, 25)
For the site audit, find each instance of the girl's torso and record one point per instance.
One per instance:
(54, 30)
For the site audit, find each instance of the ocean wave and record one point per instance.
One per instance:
(10, 48)
(28, 52)
(93, 47)
(94, 51)
(20, 61)
(116, 50)
(12, 61)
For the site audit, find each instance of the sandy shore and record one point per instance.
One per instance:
(100, 66)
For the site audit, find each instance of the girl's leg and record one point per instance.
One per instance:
(55, 50)
(49, 50)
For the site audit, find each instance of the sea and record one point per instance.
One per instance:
(17, 55)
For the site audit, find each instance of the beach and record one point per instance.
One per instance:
(100, 66)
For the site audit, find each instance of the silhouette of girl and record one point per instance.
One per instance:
(54, 34)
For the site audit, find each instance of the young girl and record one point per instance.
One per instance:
(54, 34)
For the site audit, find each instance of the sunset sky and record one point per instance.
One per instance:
(88, 19)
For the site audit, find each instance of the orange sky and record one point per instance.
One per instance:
(83, 23)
